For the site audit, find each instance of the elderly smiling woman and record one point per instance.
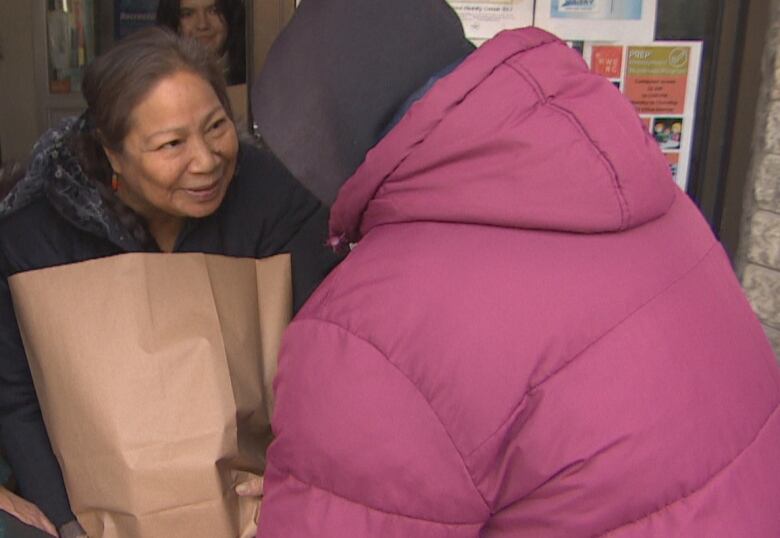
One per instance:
(153, 165)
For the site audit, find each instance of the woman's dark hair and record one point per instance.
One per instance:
(116, 82)
(234, 13)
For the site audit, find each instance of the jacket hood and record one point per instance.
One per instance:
(520, 135)
(337, 74)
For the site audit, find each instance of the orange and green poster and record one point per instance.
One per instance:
(657, 78)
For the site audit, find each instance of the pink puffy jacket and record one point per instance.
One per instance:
(536, 335)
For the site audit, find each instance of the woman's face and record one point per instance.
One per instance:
(201, 20)
(179, 155)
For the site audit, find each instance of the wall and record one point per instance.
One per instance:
(740, 147)
(18, 114)
(758, 259)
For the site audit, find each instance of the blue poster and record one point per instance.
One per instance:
(131, 15)
(596, 9)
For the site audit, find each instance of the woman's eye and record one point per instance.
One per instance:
(217, 124)
(185, 13)
(170, 144)
(212, 10)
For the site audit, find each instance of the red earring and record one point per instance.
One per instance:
(114, 182)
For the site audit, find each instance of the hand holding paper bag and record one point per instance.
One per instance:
(156, 388)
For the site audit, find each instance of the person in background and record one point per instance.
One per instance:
(535, 332)
(217, 24)
(153, 165)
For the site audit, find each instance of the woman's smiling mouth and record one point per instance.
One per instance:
(205, 193)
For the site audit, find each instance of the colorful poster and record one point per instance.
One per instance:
(657, 78)
(484, 19)
(661, 80)
(598, 20)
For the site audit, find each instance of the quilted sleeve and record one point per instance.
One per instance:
(359, 451)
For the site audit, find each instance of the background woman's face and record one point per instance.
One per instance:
(201, 20)
(179, 155)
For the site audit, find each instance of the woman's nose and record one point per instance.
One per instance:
(203, 159)
(201, 20)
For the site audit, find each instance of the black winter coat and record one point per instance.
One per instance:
(54, 217)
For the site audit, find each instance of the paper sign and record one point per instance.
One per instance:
(657, 79)
(598, 20)
(484, 19)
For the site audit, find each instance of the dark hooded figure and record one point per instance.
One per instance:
(535, 332)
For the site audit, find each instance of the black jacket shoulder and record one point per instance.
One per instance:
(37, 236)
(264, 208)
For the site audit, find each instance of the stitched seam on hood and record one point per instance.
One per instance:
(704, 484)
(625, 212)
(363, 505)
(355, 232)
(384, 355)
(625, 215)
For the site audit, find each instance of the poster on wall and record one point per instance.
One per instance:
(131, 15)
(661, 80)
(71, 42)
(484, 19)
(598, 20)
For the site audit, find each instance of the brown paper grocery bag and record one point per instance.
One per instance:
(154, 376)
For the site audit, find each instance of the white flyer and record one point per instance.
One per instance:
(484, 19)
(598, 20)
